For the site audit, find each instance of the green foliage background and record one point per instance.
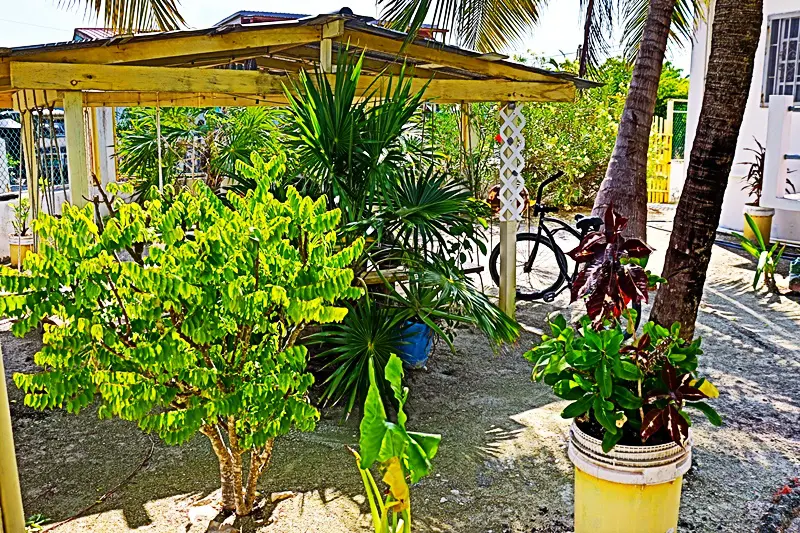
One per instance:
(577, 138)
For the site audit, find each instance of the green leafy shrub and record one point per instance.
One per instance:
(402, 455)
(197, 335)
(630, 393)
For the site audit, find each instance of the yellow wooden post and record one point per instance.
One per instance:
(508, 267)
(29, 152)
(13, 516)
(77, 160)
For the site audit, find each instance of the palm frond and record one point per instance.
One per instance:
(485, 25)
(598, 17)
(687, 14)
(131, 16)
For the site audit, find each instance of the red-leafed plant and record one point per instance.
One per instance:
(667, 401)
(623, 387)
(610, 281)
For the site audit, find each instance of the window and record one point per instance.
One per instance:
(783, 59)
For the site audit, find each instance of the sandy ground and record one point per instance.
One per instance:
(502, 466)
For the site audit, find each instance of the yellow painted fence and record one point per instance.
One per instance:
(659, 161)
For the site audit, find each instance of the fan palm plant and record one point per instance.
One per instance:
(351, 141)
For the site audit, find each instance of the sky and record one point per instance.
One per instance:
(27, 22)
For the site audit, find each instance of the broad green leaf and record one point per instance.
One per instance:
(578, 408)
(707, 410)
(604, 416)
(603, 377)
(373, 428)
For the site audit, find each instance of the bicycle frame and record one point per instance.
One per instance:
(559, 253)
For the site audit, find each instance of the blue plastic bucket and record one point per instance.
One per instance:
(418, 343)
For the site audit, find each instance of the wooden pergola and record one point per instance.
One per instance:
(178, 69)
(181, 68)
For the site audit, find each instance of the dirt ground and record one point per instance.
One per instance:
(502, 467)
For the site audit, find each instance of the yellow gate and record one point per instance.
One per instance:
(658, 161)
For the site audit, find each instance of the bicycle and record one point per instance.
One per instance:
(537, 279)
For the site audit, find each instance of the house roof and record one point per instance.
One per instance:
(278, 48)
(265, 14)
(84, 34)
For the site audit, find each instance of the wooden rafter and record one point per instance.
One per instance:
(176, 50)
(259, 85)
(437, 55)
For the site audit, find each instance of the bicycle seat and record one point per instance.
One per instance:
(589, 223)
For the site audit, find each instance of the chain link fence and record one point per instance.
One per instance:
(12, 171)
(679, 129)
(50, 140)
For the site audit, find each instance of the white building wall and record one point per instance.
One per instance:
(786, 224)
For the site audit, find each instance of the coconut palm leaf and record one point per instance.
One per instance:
(598, 16)
(130, 16)
(484, 25)
(684, 19)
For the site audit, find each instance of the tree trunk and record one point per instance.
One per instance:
(259, 460)
(625, 183)
(236, 467)
(225, 466)
(735, 37)
(236, 495)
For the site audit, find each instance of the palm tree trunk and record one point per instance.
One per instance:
(736, 33)
(625, 183)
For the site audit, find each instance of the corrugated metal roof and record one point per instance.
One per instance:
(84, 34)
(269, 14)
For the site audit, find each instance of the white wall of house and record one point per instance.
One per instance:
(786, 224)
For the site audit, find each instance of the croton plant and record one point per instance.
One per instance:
(623, 387)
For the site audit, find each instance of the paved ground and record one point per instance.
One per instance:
(502, 466)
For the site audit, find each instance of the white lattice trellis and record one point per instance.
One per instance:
(512, 162)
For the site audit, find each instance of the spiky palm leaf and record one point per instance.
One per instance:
(484, 25)
(684, 19)
(598, 16)
(131, 16)
(494, 24)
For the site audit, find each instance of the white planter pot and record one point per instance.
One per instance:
(758, 211)
(25, 240)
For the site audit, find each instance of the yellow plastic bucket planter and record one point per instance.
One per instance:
(631, 489)
(762, 216)
(18, 248)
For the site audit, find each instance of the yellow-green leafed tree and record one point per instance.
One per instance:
(197, 332)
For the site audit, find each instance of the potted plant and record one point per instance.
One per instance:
(754, 182)
(630, 394)
(20, 241)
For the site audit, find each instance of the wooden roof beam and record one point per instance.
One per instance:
(431, 53)
(110, 78)
(163, 49)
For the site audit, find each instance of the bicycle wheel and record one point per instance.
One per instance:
(543, 277)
